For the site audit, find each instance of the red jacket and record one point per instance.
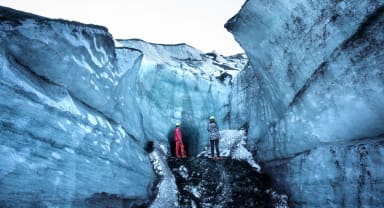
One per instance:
(178, 135)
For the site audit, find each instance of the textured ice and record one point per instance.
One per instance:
(179, 83)
(167, 189)
(312, 97)
(59, 127)
(77, 111)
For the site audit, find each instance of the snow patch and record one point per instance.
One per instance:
(196, 191)
(87, 129)
(232, 145)
(92, 119)
(183, 171)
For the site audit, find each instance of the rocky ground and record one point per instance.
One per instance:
(203, 182)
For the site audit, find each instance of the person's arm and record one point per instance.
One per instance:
(178, 135)
(217, 131)
(181, 136)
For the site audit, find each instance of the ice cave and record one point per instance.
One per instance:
(87, 120)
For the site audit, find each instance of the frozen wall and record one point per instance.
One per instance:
(178, 83)
(313, 97)
(66, 139)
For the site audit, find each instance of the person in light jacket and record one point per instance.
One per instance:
(214, 137)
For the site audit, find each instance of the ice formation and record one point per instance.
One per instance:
(78, 108)
(312, 97)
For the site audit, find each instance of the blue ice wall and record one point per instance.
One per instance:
(313, 97)
(66, 139)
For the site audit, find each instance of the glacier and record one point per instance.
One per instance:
(179, 83)
(80, 108)
(65, 140)
(303, 106)
(312, 97)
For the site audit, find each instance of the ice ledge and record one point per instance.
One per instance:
(14, 16)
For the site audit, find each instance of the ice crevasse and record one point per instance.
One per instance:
(80, 106)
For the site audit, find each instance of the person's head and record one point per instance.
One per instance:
(177, 124)
(211, 119)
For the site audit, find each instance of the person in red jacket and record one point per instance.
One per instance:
(179, 142)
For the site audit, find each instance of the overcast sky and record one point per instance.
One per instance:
(199, 23)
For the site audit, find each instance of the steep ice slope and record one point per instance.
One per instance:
(313, 97)
(65, 139)
(180, 83)
(126, 109)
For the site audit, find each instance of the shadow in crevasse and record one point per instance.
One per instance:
(103, 199)
(190, 139)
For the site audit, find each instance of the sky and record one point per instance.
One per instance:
(199, 23)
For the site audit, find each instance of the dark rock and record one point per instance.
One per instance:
(224, 183)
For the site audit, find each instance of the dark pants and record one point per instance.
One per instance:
(215, 143)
